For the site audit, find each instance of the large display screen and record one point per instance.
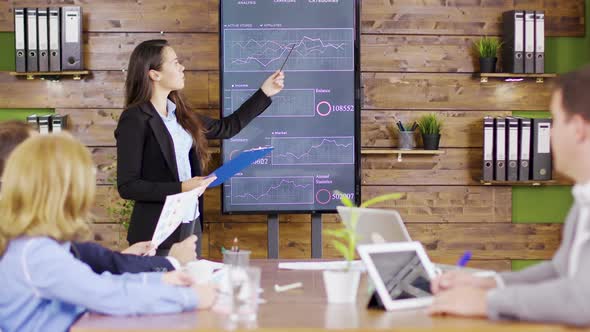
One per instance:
(313, 124)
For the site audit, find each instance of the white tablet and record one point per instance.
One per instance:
(401, 273)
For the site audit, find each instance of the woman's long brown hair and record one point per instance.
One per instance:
(138, 90)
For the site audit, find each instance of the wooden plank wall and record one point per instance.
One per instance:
(415, 60)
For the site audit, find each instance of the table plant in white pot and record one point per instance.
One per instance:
(342, 285)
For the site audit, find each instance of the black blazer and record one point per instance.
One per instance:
(101, 259)
(146, 163)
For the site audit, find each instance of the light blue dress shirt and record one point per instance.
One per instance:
(44, 288)
(183, 141)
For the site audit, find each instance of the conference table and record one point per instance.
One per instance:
(302, 309)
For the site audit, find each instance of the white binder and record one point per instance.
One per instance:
(43, 39)
(19, 39)
(32, 46)
(54, 40)
(529, 42)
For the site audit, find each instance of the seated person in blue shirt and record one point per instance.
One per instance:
(99, 258)
(48, 189)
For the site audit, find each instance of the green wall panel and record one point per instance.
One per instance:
(518, 265)
(564, 54)
(7, 53)
(548, 204)
(22, 113)
(533, 114)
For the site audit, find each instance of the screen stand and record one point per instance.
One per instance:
(375, 302)
(273, 235)
(316, 235)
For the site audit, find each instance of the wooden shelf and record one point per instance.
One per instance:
(400, 152)
(54, 76)
(539, 78)
(518, 183)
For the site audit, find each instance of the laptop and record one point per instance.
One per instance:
(375, 225)
(386, 226)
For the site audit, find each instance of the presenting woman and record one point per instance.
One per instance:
(162, 143)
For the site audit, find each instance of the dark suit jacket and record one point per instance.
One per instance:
(146, 163)
(101, 259)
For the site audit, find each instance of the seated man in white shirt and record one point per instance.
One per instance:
(556, 291)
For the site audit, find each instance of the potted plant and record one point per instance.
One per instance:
(342, 285)
(430, 126)
(487, 48)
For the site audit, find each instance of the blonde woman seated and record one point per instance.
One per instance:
(43, 286)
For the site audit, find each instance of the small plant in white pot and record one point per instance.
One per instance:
(342, 285)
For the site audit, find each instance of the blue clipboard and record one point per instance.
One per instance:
(243, 160)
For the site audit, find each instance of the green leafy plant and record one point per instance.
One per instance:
(430, 124)
(119, 209)
(487, 47)
(346, 237)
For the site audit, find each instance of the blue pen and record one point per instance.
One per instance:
(464, 259)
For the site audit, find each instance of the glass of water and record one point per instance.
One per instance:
(236, 258)
(245, 282)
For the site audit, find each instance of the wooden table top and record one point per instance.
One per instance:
(304, 308)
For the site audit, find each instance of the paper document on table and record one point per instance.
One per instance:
(178, 208)
(209, 264)
(318, 266)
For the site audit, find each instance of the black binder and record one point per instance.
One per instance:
(513, 35)
(539, 42)
(20, 39)
(71, 38)
(541, 155)
(33, 120)
(58, 123)
(32, 45)
(45, 124)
